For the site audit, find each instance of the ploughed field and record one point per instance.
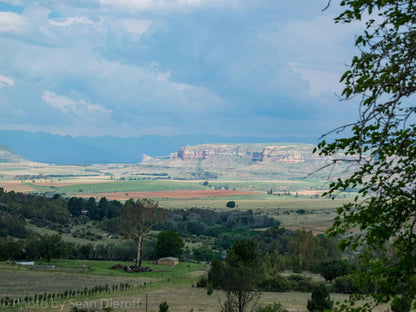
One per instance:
(171, 194)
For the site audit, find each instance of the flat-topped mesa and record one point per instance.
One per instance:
(289, 154)
(283, 153)
(205, 151)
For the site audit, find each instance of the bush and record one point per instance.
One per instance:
(276, 284)
(344, 285)
(301, 283)
(401, 304)
(273, 307)
(320, 299)
(202, 282)
(230, 204)
(163, 307)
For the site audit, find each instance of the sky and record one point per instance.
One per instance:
(126, 68)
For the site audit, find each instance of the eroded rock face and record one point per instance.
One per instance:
(278, 153)
(206, 151)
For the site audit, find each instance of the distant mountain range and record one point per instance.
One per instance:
(56, 149)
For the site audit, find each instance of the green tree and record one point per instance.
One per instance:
(51, 246)
(75, 206)
(320, 299)
(380, 147)
(230, 204)
(140, 217)
(242, 276)
(169, 244)
(334, 268)
(163, 307)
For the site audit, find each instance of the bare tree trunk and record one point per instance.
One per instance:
(139, 245)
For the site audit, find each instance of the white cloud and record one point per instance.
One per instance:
(80, 108)
(143, 5)
(11, 22)
(67, 21)
(319, 80)
(178, 86)
(4, 80)
(136, 26)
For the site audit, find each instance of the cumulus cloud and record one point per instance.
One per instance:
(144, 5)
(67, 21)
(6, 81)
(80, 108)
(170, 66)
(11, 22)
(136, 26)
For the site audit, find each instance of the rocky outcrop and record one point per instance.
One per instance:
(283, 153)
(206, 151)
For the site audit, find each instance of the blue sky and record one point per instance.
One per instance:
(135, 67)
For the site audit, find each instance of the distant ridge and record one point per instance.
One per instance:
(56, 149)
(244, 161)
(8, 156)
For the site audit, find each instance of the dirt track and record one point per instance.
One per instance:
(169, 194)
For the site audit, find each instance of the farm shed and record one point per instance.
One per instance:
(171, 261)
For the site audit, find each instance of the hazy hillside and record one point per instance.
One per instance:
(8, 156)
(49, 148)
(242, 161)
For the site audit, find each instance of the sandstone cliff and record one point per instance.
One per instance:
(283, 153)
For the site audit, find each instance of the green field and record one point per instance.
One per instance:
(292, 186)
(174, 285)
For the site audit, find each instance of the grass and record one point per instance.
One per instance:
(122, 186)
(171, 284)
(76, 274)
(174, 185)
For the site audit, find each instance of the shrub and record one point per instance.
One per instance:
(163, 307)
(344, 285)
(277, 283)
(300, 283)
(320, 299)
(202, 282)
(273, 307)
(230, 204)
(401, 304)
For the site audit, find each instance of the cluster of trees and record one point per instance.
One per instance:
(208, 222)
(298, 250)
(48, 247)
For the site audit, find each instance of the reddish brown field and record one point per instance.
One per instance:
(169, 194)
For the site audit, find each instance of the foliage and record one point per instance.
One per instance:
(334, 268)
(228, 306)
(242, 276)
(272, 307)
(230, 204)
(169, 244)
(216, 273)
(163, 307)
(210, 289)
(345, 285)
(380, 147)
(140, 216)
(299, 250)
(276, 283)
(401, 304)
(320, 299)
(301, 283)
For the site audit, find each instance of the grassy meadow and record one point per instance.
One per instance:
(175, 285)
(295, 203)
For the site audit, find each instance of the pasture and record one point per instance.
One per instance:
(175, 285)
